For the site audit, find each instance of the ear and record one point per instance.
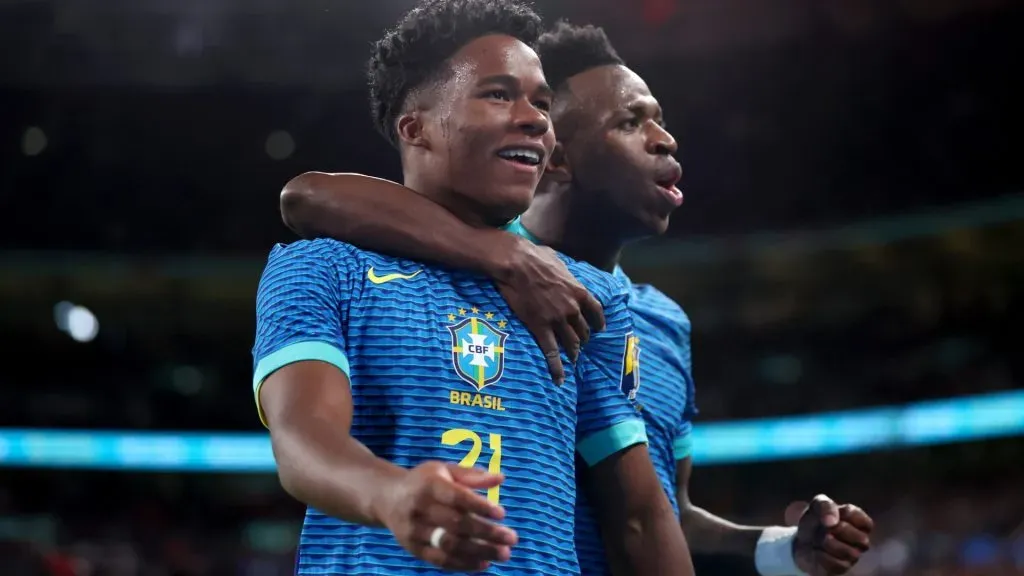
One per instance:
(558, 168)
(410, 130)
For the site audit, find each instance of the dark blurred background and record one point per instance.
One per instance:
(853, 237)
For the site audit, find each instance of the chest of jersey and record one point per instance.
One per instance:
(440, 369)
(446, 342)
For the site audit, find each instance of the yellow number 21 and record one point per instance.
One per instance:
(457, 436)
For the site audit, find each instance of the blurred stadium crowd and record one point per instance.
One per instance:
(933, 515)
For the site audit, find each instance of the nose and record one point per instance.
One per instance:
(529, 119)
(660, 142)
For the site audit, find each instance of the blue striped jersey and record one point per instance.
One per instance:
(440, 369)
(665, 397)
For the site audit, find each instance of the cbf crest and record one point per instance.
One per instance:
(478, 348)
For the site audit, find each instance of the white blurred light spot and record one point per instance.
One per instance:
(280, 145)
(82, 324)
(77, 321)
(34, 141)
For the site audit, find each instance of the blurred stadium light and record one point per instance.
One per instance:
(918, 424)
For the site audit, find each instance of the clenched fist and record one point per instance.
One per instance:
(830, 537)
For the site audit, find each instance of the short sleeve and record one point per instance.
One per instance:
(682, 443)
(300, 309)
(607, 373)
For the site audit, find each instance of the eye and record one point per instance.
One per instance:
(497, 94)
(543, 105)
(630, 124)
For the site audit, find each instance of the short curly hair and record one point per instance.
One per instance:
(416, 51)
(567, 50)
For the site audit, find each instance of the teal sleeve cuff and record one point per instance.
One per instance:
(297, 352)
(600, 445)
(682, 446)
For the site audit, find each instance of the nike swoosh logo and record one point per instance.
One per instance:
(372, 276)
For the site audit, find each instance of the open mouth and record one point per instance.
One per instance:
(523, 156)
(666, 183)
(671, 193)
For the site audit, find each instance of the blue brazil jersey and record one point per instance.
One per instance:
(441, 369)
(665, 396)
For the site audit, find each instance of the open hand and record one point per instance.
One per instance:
(441, 495)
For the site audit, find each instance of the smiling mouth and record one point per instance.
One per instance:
(522, 156)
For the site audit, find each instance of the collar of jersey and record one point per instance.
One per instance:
(621, 276)
(516, 227)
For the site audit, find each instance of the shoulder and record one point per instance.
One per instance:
(325, 255)
(319, 249)
(654, 301)
(605, 287)
(663, 313)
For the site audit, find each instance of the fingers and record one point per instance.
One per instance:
(580, 327)
(465, 500)
(841, 546)
(468, 543)
(831, 537)
(474, 478)
(463, 526)
(444, 508)
(849, 535)
(549, 346)
(592, 311)
(823, 508)
(570, 341)
(837, 549)
(857, 518)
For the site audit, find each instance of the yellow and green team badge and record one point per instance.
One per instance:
(630, 379)
(478, 350)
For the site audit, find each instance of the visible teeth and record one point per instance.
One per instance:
(523, 155)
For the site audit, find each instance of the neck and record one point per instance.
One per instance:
(470, 214)
(574, 231)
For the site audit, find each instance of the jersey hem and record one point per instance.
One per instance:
(600, 445)
(290, 354)
(682, 446)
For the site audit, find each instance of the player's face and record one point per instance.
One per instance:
(621, 153)
(491, 128)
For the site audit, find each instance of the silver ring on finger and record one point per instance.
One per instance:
(436, 535)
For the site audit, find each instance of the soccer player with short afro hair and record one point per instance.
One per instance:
(416, 51)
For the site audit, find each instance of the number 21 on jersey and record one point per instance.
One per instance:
(457, 436)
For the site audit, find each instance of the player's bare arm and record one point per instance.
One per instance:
(824, 537)
(639, 528)
(308, 408)
(386, 217)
